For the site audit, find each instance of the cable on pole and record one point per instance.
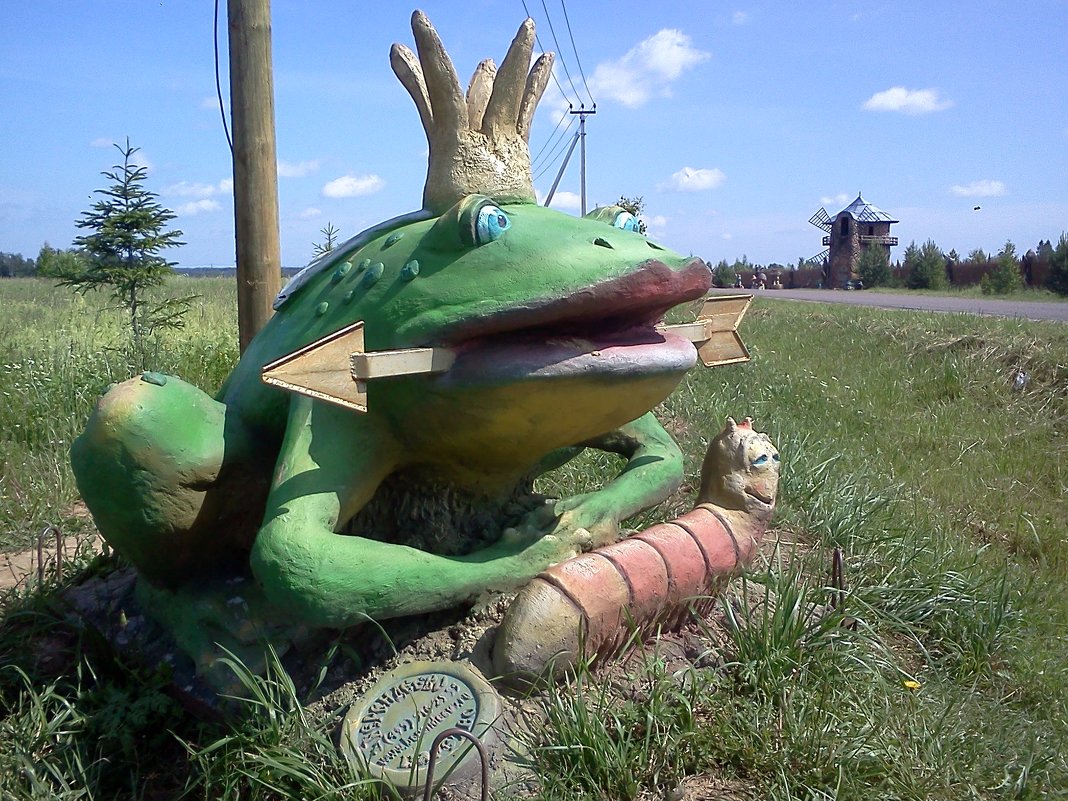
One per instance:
(578, 60)
(553, 148)
(537, 40)
(551, 162)
(560, 52)
(218, 83)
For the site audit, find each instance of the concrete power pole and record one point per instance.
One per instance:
(259, 262)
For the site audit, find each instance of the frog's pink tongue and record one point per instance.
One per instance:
(637, 352)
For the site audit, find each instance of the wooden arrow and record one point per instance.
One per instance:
(315, 370)
(715, 331)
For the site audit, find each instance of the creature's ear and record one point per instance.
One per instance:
(731, 425)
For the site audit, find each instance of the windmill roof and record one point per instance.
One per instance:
(863, 211)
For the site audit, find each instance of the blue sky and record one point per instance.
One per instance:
(735, 121)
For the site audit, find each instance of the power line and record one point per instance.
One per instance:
(553, 159)
(537, 40)
(559, 122)
(552, 145)
(218, 84)
(558, 50)
(582, 74)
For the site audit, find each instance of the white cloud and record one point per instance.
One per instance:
(566, 200)
(689, 179)
(209, 103)
(656, 223)
(984, 188)
(647, 69)
(739, 18)
(199, 190)
(288, 169)
(102, 141)
(907, 101)
(198, 206)
(310, 213)
(837, 200)
(727, 236)
(353, 186)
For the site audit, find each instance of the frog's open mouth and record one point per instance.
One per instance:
(608, 328)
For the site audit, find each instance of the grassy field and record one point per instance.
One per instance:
(905, 442)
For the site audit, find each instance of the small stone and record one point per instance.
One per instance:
(363, 265)
(341, 272)
(322, 308)
(393, 239)
(410, 270)
(149, 377)
(349, 296)
(374, 272)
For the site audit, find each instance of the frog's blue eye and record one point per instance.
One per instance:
(626, 221)
(491, 224)
(760, 460)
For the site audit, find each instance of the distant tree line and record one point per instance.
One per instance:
(924, 266)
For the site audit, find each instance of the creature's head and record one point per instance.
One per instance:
(741, 470)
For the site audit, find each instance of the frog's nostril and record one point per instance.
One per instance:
(603, 242)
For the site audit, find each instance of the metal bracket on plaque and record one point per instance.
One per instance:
(315, 370)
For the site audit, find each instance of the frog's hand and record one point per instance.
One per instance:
(654, 470)
(330, 464)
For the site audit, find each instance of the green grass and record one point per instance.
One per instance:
(58, 352)
(904, 444)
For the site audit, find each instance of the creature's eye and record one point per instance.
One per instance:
(760, 460)
(775, 457)
(490, 224)
(626, 221)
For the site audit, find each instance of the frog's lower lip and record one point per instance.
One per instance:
(630, 303)
(637, 352)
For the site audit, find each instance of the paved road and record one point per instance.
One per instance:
(1057, 312)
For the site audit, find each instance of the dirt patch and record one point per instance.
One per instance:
(48, 560)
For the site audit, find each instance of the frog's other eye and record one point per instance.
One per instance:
(626, 221)
(490, 224)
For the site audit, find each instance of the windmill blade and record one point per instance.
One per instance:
(821, 219)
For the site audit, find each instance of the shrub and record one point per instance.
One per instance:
(874, 267)
(723, 275)
(1005, 277)
(1057, 280)
(927, 266)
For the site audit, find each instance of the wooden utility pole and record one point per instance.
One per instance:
(259, 261)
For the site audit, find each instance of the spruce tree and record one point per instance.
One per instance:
(127, 235)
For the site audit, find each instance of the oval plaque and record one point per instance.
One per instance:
(391, 728)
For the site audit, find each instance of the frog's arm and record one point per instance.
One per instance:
(329, 466)
(653, 471)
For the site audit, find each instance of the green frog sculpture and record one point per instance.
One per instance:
(421, 503)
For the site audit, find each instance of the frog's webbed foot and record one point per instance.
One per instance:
(156, 465)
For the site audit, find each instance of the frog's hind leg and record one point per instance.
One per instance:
(170, 481)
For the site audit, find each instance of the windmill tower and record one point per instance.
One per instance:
(858, 226)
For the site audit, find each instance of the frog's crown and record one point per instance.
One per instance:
(478, 142)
